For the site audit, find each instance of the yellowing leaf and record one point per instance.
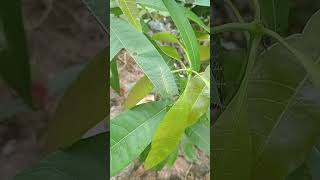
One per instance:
(192, 104)
(130, 9)
(204, 53)
(142, 88)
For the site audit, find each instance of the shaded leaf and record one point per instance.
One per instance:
(114, 77)
(165, 37)
(275, 14)
(14, 57)
(99, 9)
(84, 160)
(171, 52)
(83, 105)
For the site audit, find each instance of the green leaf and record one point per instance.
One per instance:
(99, 9)
(171, 52)
(145, 55)
(130, 9)
(193, 17)
(201, 36)
(189, 149)
(204, 53)
(275, 14)
(14, 58)
(140, 90)
(131, 133)
(231, 136)
(288, 103)
(82, 106)
(199, 135)
(173, 157)
(84, 160)
(165, 37)
(186, 32)
(114, 76)
(198, 2)
(187, 110)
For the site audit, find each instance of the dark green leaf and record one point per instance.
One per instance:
(275, 14)
(114, 77)
(14, 58)
(83, 105)
(99, 9)
(87, 159)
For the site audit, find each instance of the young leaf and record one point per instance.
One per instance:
(114, 77)
(131, 133)
(82, 161)
(187, 110)
(171, 52)
(142, 88)
(130, 9)
(165, 37)
(99, 9)
(145, 55)
(275, 14)
(14, 58)
(82, 106)
(186, 32)
(204, 53)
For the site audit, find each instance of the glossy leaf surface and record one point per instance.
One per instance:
(145, 55)
(131, 133)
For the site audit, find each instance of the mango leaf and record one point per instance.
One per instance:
(14, 57)
(275, 14)
(84, 160)
(187, 110)
(131, 133)
(165, 37)
(231, 136)
(145, 55)
(204, 53)
(130, 9)
(193, 17)
(198, 2)
(114, 76)
(199, 135)
(173, 157)
(99, 9)
(189, 149)
(82, 106)
(171, 52)
(186, 32)
(289, 103)
(201, 36)
(140, 90)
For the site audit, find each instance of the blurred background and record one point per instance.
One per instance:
(62, 36)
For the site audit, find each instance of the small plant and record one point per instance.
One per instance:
(268, 122)
(176, 67)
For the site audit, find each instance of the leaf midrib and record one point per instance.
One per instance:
(147, 120)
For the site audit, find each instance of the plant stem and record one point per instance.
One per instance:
(235, 10)
(180, 70)
(232, 27)
(257, 16)
(202, 78)
(239, 17)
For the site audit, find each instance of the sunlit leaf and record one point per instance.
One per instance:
(130, 9)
